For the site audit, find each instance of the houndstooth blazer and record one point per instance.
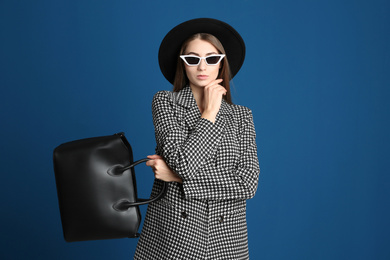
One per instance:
(205, 217)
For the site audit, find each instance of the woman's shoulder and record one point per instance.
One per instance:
(184, 95)
(163, 96)
(241, 111)
(243, 116)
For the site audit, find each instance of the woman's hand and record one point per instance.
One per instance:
(161, 169)
(212, 98)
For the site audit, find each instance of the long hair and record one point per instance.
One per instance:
(181, 79)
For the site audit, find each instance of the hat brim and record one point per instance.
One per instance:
(170, 46)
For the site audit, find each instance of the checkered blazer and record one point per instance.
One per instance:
(205, 217)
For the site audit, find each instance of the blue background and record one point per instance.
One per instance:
(316, 76)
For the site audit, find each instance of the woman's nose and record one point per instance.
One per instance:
(202, 65)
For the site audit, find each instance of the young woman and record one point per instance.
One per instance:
(206, 149)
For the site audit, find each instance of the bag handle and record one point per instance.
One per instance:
(123, 205)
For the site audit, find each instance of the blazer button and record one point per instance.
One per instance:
(220, 219)
(184, 214)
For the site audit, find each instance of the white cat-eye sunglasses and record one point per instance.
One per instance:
(193, 60)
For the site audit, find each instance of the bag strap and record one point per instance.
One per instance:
(123, 205)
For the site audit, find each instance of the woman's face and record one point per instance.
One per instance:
(201, 75)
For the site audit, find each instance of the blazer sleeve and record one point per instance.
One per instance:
(220, 183)
(184, 153)
(188, 155)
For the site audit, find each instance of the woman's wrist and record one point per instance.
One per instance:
(178, 179)
(209, 116)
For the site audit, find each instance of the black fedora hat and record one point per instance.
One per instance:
(170, 46)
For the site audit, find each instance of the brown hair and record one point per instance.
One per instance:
(181, 79)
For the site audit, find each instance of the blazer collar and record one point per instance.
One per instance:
(186, 99)
(225, 108)
(190, 111)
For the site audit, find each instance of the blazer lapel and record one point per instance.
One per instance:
(225, 109)
(189, 109)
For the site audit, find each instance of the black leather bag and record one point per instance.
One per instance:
(97, 191)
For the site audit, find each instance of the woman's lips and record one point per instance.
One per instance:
(202, 77)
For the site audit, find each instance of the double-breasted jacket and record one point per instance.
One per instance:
(205, 216)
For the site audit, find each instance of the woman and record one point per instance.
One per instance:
(206, 149)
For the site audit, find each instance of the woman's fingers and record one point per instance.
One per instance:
(154, 156)
(156, 164)
(213, 93)
(215, 82)
(214, 89)
(150, 163)
(161, 169)
(215, 85)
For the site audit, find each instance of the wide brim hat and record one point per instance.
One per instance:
(170, 46)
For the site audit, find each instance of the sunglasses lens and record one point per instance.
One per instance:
(212, 60)
(192, 60)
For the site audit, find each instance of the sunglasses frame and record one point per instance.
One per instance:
(221, 56)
